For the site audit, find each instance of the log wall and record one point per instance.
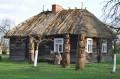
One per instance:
(46, 47)
(18, 48)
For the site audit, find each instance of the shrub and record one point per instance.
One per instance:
(0, 57)
(4, 52)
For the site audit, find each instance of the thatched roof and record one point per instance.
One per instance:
(71, 21)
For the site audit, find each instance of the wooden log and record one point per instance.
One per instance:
(31, 50)
(81, 55)
(66, 54)
(99, 57)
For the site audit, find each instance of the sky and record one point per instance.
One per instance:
(20, 10)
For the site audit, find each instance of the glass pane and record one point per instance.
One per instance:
(89, 41)
(59, 40)
(56, 47)
(104, 47)
(88, 48)
(60, 47)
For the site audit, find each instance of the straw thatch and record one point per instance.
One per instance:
(72, 21)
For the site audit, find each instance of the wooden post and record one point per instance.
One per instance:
(99, 50)
(66, 54)
(81, 55)
(31, 50)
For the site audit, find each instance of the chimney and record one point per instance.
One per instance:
(56, 8)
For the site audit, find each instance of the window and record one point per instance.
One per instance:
(89, 47)
(58, 45)
(104, 46)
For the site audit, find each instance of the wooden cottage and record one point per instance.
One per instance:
(58, 31)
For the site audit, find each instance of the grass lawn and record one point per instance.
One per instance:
(23, 70)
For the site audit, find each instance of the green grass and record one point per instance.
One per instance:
(23, 70)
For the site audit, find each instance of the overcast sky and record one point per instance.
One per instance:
(19, 10)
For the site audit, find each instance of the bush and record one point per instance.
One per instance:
(0, 57)
(4, 52)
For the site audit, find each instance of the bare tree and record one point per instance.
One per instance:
(4, 27)
(112, 15)
(111, 12)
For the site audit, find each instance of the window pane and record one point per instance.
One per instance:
(88, 48)
(91, 48)
(90, 41)
(58, 41)
(60, 48)
(56, 47)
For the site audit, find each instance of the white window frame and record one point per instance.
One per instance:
(89, 47)
(56, 43)
(104, 46)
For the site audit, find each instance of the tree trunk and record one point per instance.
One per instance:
(36, 56)
(66, 54)
(99, 57)
(114, 58)
(81, 55)
(81, 61)
(114, 63)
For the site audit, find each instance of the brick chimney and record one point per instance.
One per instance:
(56, 8)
